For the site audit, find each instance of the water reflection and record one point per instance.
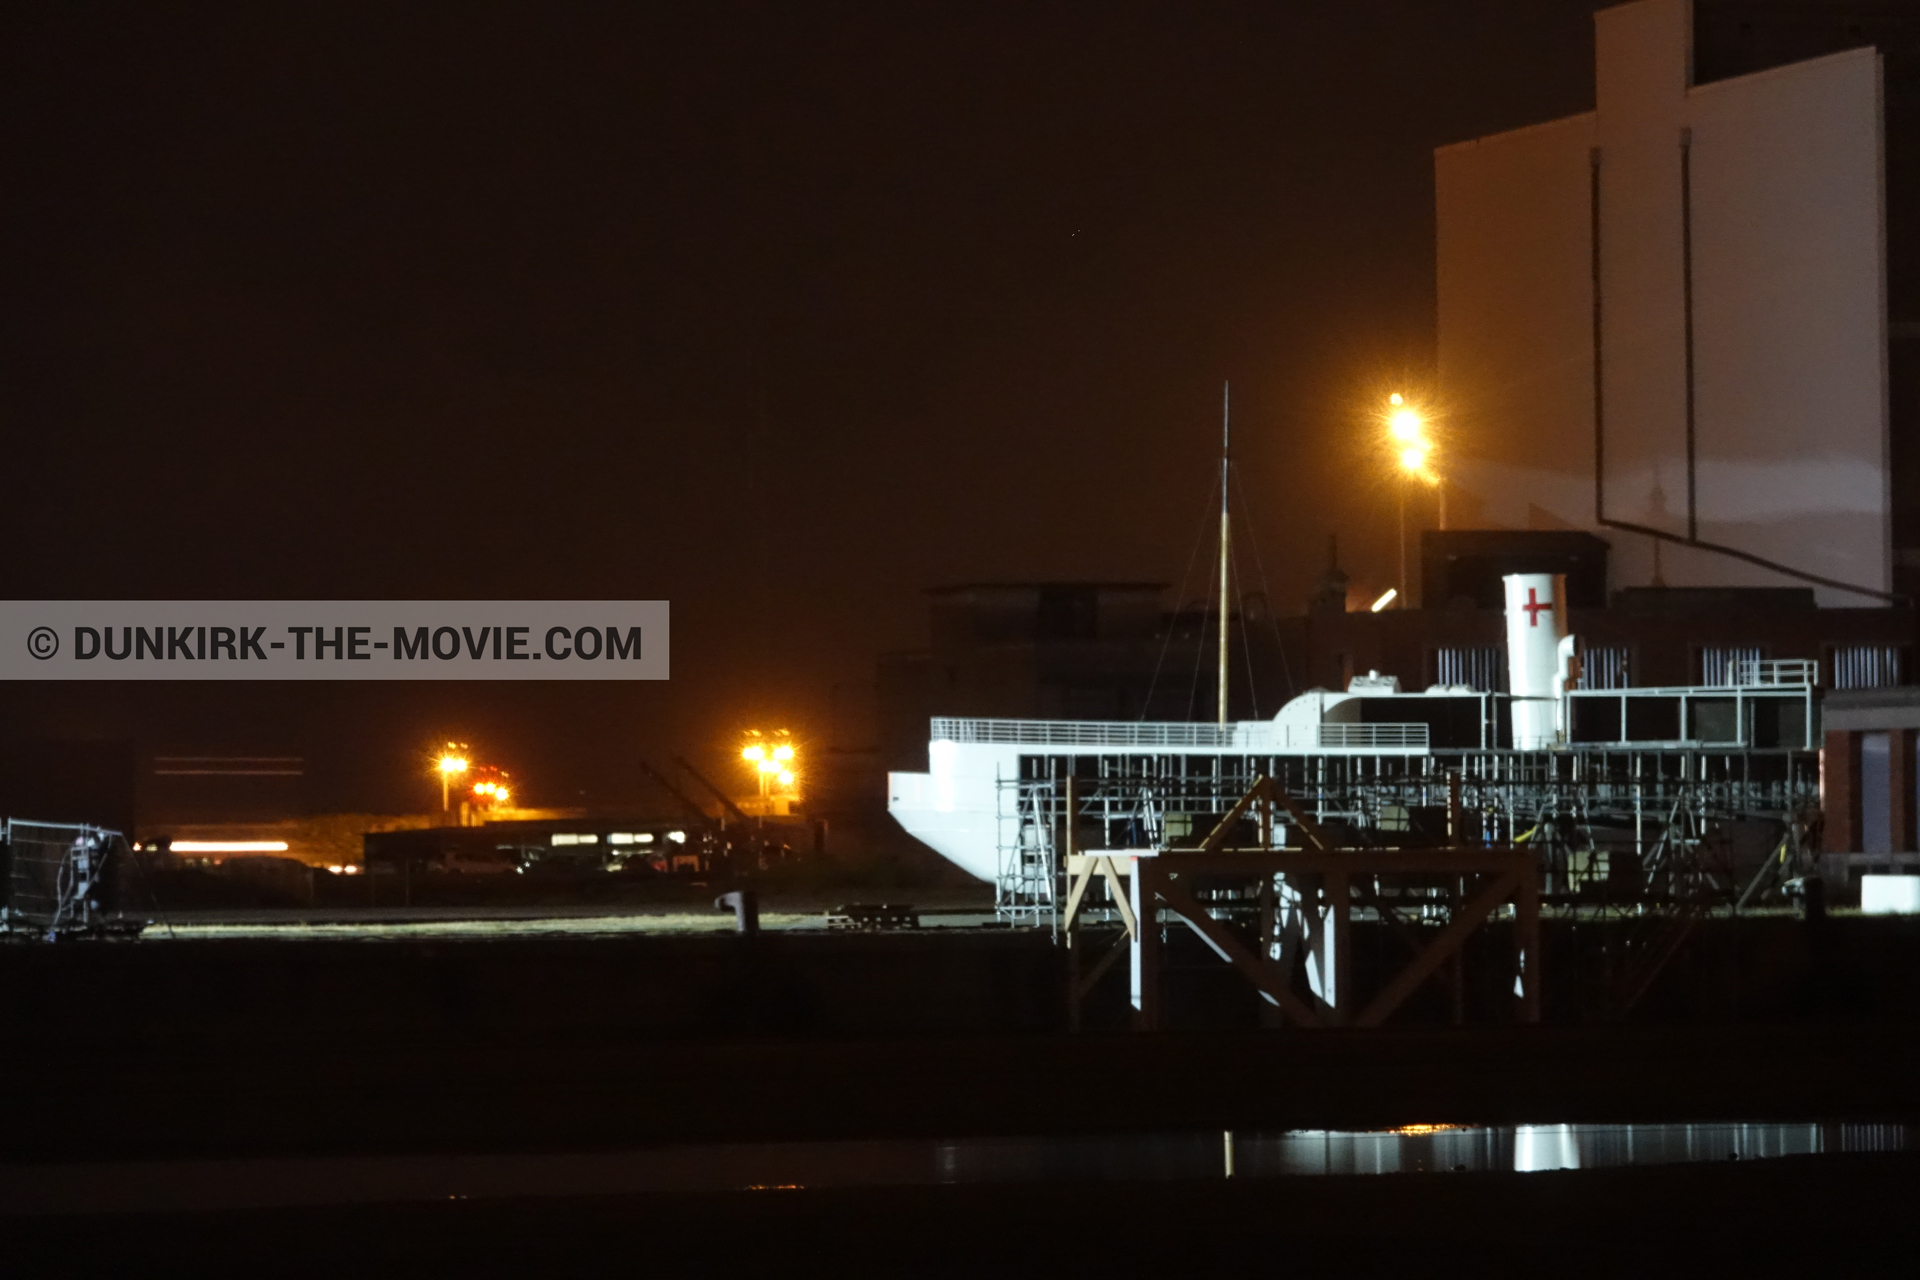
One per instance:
(1413, 1149)
(178, 1186)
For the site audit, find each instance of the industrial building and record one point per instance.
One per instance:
(1658, 667)
(1686, 319)
(604, 843)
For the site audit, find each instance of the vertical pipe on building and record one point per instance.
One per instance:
(1686, 312)
(1599, 391)
(1226, 453)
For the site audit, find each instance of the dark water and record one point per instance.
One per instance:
(1415, 1149)
(277, 1182)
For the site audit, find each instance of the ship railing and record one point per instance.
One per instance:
(1388, 737)
(1258, 736)
(1083, 733)
(1777, 673)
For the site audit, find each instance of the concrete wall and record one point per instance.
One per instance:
(1751, 207)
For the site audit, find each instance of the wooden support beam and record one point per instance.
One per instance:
(1339, 950)
(1472, 912)
(1262, 786)
(1267, 977)
(1309, 827)
(1146, 880)
(1526, 936)
(1090, 866)
(1077, 889)
(1118, 891)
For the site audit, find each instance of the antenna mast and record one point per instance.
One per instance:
(1226, 452)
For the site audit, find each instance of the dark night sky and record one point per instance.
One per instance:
(781, 312)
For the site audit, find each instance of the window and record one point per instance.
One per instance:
(1482, 668)
(1728, 665)
(1863, 666)
(1604, 667)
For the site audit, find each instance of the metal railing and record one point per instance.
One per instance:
(1777, 673)
(1083, 733)
(1382, 736)
(1257, 736)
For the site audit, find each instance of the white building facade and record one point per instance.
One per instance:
(1668, 316)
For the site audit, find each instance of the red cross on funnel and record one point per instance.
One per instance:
(1534, 606)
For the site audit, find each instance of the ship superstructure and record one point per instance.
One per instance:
(1627, 793)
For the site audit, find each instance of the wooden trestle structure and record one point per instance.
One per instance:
(1305, 897)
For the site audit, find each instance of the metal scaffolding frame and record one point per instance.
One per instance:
(1643, 837)
(55, 879)
(1303, 902)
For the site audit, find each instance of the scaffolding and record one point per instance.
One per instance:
(56, 877)
(1646, 841)
(1636, 823)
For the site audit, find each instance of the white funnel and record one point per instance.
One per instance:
(1536, 623)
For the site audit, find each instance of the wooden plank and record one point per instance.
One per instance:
(1309, 828)
(1077, 891)
(1078, 887)
(1472, 913)
(1222, 829)
(1118, 890)
(1266, 976)
(1146, 945)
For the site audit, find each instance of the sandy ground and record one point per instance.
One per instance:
(937, 908)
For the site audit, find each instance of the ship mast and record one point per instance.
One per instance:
(1226, 452)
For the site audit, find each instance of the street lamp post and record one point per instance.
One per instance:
(772, 763)
(451, 762)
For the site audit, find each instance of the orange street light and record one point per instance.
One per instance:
(451, 762)
(771, 758)
(1406, 437)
